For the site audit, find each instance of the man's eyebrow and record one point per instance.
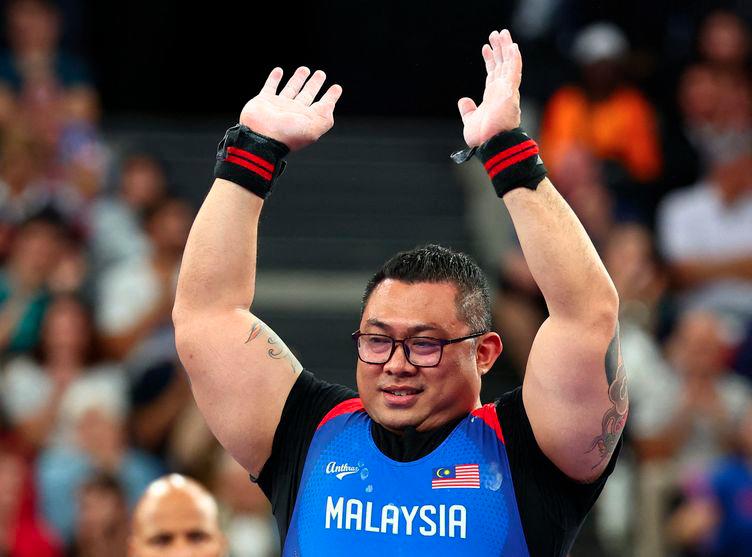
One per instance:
(418, 328)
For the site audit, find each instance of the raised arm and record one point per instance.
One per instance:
(240, 371)
(574, 389)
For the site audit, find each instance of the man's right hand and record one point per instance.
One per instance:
(291, 116)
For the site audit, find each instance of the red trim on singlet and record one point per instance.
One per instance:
(345, 407)
(488, 414)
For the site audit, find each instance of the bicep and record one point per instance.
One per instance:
(575, 394)
(241, 374)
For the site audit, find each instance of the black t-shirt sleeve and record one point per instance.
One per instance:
(310, 399)
(552, 506)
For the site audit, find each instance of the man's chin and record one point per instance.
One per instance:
(396, 420)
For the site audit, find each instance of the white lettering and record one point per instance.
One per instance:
(409, 517)
(390, 515)
(428, 520)
(424, 510)
(369, 511)
(457, 518)
(354, 512)
(334, 511)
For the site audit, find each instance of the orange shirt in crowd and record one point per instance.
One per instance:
(621, 127)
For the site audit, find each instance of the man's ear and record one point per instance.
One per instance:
(488, 348)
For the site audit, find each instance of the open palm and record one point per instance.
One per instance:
(500, 109)
(291, 116)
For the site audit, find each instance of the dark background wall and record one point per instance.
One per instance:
(408, 58)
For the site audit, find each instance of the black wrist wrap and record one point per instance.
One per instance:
(250, 160)
(511, 160)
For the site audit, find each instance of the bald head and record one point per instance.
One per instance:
(176, 517)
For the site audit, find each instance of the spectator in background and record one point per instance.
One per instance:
(48, 87)
(24, 191)
(135, 301)
(724, 42)
(715, 520)
(99, 447)
(176, 516)
(24, 281)
(116, 231)
(692, 417)
(102, 525)
(22, 533)
(603, 116)
(716, 119)
(245, 512)
(44, 391)
(705, 234)
(686, 421)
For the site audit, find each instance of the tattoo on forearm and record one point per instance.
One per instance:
(614, 419)
(277, 349)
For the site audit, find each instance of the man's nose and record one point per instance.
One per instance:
(398, 364)
(183, 549)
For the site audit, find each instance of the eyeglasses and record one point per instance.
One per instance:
(419, 351)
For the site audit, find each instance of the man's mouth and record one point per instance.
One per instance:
(400, 396)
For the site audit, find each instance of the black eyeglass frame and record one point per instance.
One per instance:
(395, 341)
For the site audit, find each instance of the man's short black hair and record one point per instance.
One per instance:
(434, 263)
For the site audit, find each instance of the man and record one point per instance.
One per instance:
(176, 517)
(415, 465)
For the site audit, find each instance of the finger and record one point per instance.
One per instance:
(495, 41)
(325, 105)
(505, 38)
(295, 83)
(467, 106)
(332, 95)
(488, 58)
(272, 82)
(512, 72)
(312, 88)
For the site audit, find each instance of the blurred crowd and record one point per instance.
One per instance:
(661, 177)
(94, 404)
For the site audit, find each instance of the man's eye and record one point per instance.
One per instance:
(378, 341)
(161, 540)
(425, 344)
(197, 536)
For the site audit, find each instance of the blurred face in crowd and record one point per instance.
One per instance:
(35, 252)
(630, 261)
(102, 514)
(697, 348)
(67, 329)
(143, 182)
(698, 94)
(19, 162)
(169, 226)
(724, 39)
(176, 518)
(33, 26)
(398, 394)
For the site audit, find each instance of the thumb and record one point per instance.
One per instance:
(467, 107)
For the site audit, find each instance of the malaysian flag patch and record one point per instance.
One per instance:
(460, 475)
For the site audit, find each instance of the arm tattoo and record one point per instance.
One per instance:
(615, 417)
(277, 349)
